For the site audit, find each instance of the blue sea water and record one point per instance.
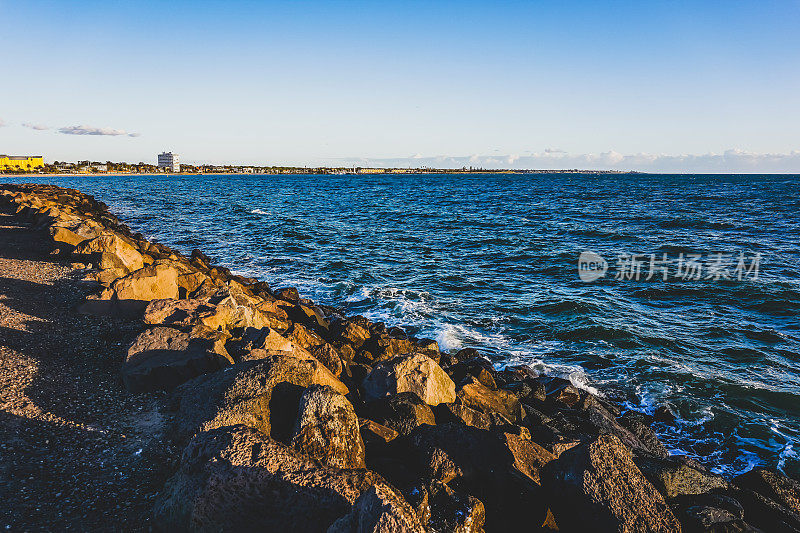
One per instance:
(491, 261)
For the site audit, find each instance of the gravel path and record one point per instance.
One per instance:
(77, 452)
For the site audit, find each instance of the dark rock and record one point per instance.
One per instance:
(666, 413)
(637, 424)
(456, 412)
(374, 433)
(454, 512)
(379, 509)
(772, 485)
(492, 466)
(597, 487)
(263, 394)
(288, 294)
(238, 479)
(416, 373)
(162, 358)
(402, 412)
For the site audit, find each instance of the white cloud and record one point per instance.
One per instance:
(730, 161)
(88, 130)
(37, 127)
(2, 122)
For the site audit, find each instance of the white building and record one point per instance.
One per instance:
(169, 161)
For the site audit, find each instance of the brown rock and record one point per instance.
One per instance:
(162, 358)
(153, 282)
(327, 429)
(597, 487)
(477, 396)
(415, 373)
(263, 394)
(678, 477)
(237, 479)
(402, 412)
(379, 509)
(372, 432)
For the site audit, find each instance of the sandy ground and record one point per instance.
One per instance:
(77, 452)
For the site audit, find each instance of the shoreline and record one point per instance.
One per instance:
(447, 441)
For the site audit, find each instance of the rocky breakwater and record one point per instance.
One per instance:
(293, 416)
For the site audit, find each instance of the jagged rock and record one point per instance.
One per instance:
(383, 346)
(415, 373)
(379, 509)
(676, 477)
(263, 394)
(353, 330)
(637, 424)
(304, 337)
(666, 413)
(454, 512)
(474, 394)
(111, 251)
(452, 412)
(175, 313)
(231, 312)
(162, 358)
(485, 466)
(269, 340)
(597, 487)
(329, 356)
(75, 233)
(772, 485)
(327, 429)
(401, 413)
(238, 479)
(374, 433)
(153, 282)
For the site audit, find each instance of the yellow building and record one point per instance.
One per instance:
(20, 162)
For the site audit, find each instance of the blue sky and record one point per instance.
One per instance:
(670, 86)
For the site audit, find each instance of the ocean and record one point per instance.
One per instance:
(492, 261)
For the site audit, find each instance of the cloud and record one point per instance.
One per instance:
(2, 122)
(88, 130)
(37, 127)
(730, 161)
(554, 151)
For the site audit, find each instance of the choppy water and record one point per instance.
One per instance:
(491, 261)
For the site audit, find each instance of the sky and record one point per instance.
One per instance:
(672, 86)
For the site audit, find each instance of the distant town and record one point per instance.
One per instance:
(169, 163)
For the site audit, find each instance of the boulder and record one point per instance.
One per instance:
(402, 412)
(153, 282)
(327, 429)
(772, 485)
(263, 394)
(353, 331)
(238, 479)
(415, 373)
(75, 233)
(329, 356)
(498, 469)
(456, 412)
(162, 358)
(379, 509)
(175, 313)
(675, 477)
(453, 511)
(597, 487)
(374, 433)
(111, 251)
(474, 394)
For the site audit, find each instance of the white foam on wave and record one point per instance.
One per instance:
(259, 212)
